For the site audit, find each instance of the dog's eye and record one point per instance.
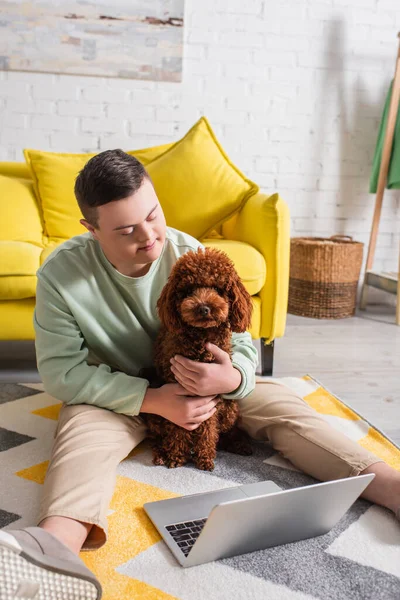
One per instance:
(186, 292)
(219, 291)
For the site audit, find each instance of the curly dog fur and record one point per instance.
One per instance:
(202, 301)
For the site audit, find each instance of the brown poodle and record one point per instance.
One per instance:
(202, 301)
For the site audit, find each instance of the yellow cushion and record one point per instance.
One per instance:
(19, 262)
(54, 179)
(197, 184)
(20, 217)
(18, 287)
(148, 154)
(249, 262)
(54, 175)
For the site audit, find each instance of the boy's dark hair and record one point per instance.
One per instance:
(108, 176)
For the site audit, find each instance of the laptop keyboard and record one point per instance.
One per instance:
(185, 534)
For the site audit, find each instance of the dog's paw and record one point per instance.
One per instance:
(174, 463)
(158, 460)
(204, 464)
(242, 449)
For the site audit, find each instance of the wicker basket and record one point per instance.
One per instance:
(324, 275)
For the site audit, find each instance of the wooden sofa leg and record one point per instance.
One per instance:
(267, 357)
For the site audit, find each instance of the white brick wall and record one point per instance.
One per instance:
(293, 90)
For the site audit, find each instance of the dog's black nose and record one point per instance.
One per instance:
(204, 310)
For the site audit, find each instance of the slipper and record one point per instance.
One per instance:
(35, 564)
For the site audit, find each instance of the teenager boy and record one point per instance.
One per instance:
(95, 322)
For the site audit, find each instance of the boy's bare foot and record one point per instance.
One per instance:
(70, 532)
(385, 488)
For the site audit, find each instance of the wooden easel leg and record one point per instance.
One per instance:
(364, 295)
(398, 296)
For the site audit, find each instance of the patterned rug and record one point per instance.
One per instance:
(358, 560)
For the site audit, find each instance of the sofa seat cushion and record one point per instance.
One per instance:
(249, 262)
(19, 262)
(51, 245)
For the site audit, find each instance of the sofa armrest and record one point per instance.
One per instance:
(264, 223)
(15, 169)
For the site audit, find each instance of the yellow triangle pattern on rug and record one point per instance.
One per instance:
(36, 473)
(131, 532)
(49, 412)
(326, 403)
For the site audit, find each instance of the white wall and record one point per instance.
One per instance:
(293, 89)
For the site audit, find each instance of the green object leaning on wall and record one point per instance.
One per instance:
(393, 179)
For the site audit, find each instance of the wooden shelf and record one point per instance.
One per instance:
(383, 281)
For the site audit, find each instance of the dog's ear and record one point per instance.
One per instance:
(167, 310)
(241, 306)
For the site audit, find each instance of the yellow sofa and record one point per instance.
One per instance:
(256, 238)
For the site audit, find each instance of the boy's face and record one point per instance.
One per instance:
(131, 231)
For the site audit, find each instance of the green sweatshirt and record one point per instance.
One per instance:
(95, 327)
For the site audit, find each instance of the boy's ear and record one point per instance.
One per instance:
(88, 226)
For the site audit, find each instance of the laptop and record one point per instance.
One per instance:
(203, 527)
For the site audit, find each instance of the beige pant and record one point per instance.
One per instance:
(90, 442)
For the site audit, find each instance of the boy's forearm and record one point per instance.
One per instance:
(235, 382)
(244, 359)
(150, 401)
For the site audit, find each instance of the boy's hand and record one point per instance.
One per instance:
(175, 404)
(204, 379)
